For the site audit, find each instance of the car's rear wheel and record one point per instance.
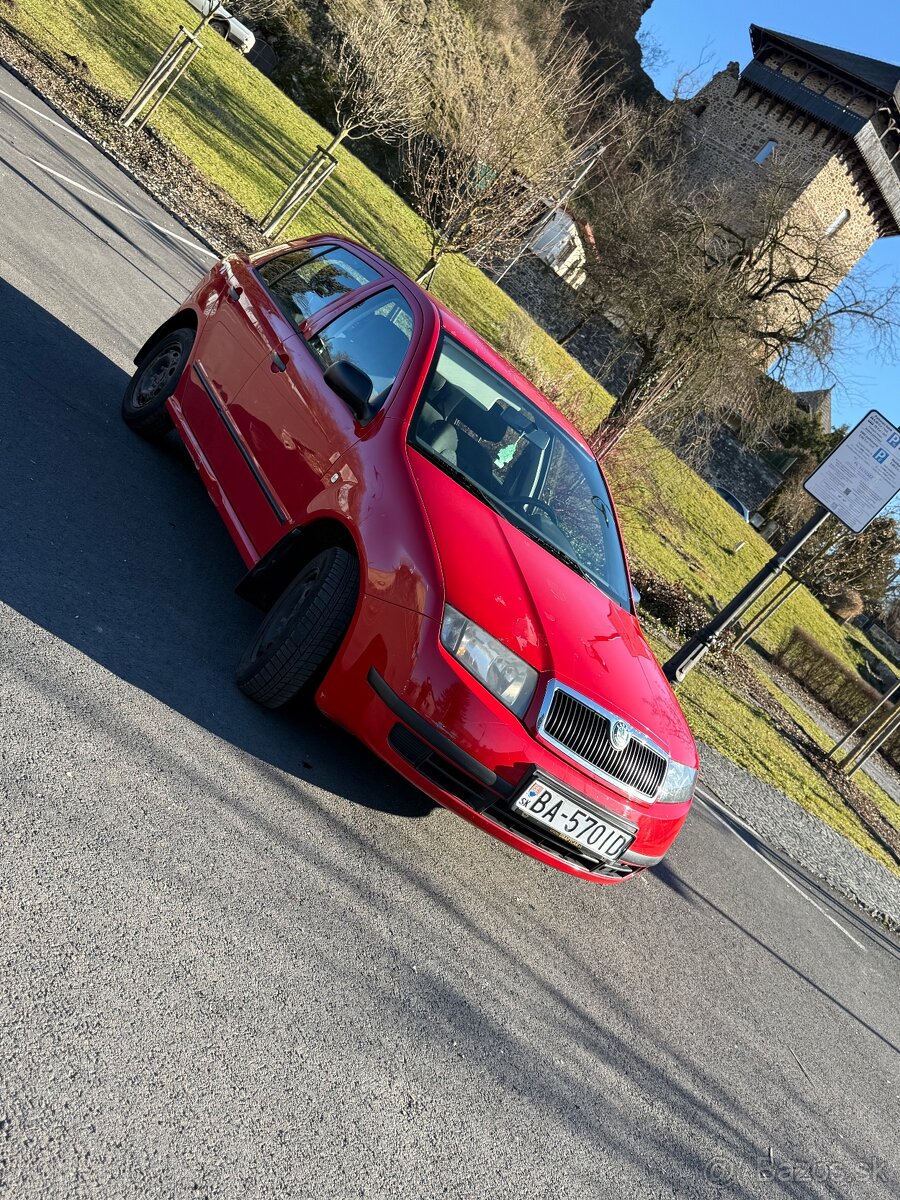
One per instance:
(301, 633)
(154, 381)
(220, 27)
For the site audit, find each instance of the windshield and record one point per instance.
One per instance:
(493, 440)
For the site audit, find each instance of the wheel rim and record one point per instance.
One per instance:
(157, 376)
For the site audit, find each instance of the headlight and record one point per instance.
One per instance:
(503, 673)
(679, 784)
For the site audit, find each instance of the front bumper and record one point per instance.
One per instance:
(395, 687)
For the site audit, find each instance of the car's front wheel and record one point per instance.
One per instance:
(154, 381)
(301, 633)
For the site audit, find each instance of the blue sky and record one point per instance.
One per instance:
(716, 32)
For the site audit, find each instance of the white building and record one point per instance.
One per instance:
(558, 242)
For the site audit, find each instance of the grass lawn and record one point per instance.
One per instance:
(748, 737)
(887, 806)
(248, 137)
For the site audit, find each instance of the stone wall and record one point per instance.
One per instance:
(554, 305)
(729, 124)
(831, 192)
(733, 466)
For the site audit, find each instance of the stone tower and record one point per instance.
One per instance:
(829, 119)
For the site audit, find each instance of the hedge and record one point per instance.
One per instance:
(833, 684)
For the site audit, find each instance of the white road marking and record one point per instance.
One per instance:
(44, 116)
(123, 208)
(711, 807)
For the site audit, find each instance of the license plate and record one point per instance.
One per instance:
(585, 826)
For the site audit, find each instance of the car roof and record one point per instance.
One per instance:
(457, 328)
(729, 496)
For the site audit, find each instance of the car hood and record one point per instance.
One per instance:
(541, 609)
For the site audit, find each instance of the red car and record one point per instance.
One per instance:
(434, 547)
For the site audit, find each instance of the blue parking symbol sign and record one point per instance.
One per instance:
(881, 456)
(894, 439)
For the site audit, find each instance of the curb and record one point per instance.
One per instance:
(798, 837)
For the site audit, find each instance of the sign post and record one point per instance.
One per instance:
(854, 483)
(697, 647)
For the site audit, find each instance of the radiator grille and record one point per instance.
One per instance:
(584, 731)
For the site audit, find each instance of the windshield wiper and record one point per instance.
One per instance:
(498, 507)
(557, 552)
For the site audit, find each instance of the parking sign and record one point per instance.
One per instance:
(862, 474)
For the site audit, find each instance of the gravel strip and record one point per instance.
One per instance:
(149, 159)
(782, 823)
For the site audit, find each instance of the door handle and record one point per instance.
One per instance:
(278, 363)
(235, 293)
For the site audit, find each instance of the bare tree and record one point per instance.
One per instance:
(377, 70)
(705, 304)
(172, 64)
(835, 561)
(504, 140)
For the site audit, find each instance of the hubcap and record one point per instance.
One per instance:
(159, 373)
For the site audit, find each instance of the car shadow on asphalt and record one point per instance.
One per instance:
(113, 545)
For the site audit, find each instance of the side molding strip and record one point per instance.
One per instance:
(239, 442)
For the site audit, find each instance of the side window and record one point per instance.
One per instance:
(304, 281)
(769, 150)
(374, 336)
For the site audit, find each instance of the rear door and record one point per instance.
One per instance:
(259, 309)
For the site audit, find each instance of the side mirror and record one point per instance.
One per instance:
(353, 386)
(635, 596)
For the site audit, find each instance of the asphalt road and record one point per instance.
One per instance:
(239, 958)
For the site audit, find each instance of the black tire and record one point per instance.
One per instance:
(154, 381)
(222, 28)
(302, 631)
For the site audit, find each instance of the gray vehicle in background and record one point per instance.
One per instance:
(228, 26)
(730, 498)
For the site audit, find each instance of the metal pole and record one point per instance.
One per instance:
(563, 200)
(870, 744)
(773, 605)
(865, 720)
(526, 245)
(697, 647)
